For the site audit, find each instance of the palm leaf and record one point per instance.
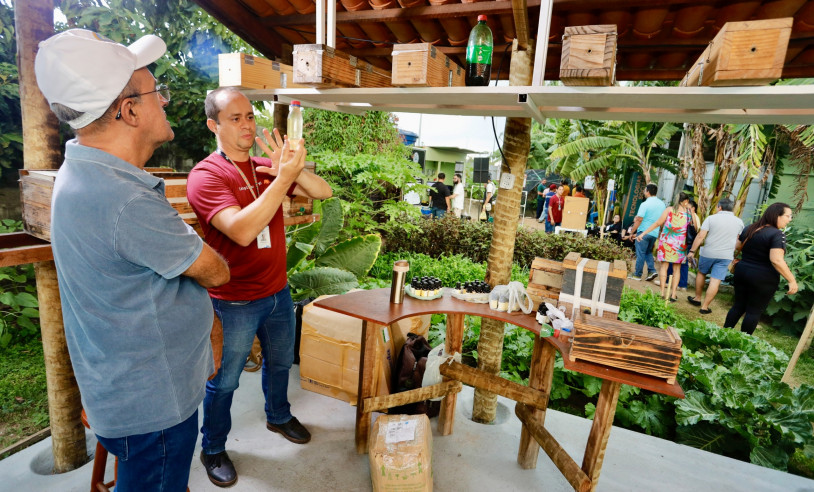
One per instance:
(587, 144)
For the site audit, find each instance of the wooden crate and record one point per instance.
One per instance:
(617, 272)
(318, 65)
(253, 72)
(545, 281)
(642, 349)
(422, 65)
(589, 55)
(575, 212)
(743, 53)
(36, 188)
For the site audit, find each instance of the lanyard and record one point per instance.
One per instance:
(242, 175)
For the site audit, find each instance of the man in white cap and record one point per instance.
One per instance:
(132, 274)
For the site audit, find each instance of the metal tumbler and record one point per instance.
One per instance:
(400, 269)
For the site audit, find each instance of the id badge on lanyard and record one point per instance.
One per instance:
(264, 239)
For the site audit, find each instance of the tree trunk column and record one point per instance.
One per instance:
(34, 22)
(516, 144)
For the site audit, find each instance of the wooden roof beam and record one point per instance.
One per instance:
(245, 24)
(520, 13)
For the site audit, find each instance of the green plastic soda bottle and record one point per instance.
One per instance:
(479, 54)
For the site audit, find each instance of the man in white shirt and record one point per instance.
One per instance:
(457, 197)
(487, 201)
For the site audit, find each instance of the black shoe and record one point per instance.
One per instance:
(219, 469)
(692, 301)
(292, 430)
(652, 276)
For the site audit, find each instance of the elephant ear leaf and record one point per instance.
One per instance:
(300, 246)
(321, 281)
(332, 221)
(355, 255)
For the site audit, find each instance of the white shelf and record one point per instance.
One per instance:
(791, 104)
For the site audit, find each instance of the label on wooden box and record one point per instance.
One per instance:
(637, 348)
(318, 65)
(422, 65)
(589, 55)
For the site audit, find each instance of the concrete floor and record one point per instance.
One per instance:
(475, 458)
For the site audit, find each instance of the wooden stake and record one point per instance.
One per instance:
(540, 378)
(367, 364)
(452, 344)
(419, 394)
(600, 430)
(802, 346)
(494, 384)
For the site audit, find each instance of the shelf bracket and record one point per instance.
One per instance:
(531, 108)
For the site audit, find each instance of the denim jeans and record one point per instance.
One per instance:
(272, 320)
(437, 213)
(157, 461)
(644, 253)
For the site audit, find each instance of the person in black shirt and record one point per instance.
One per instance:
(439, 197)
(757, 275)
(614, 230)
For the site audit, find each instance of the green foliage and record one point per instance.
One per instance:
(451, 236)
(316, 282)
(449, 269)
(19, 317)
(646, 309)
(11, 129)
(23, 393)
(355, 255)
(789, 313)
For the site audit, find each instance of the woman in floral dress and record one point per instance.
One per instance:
(672, 245)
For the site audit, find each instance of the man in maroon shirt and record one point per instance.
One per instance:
(237, 200)
(555, 207)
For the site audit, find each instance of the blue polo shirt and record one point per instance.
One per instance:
(650, 210)
(137, 330)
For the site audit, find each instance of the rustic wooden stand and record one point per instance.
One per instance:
(374, 307)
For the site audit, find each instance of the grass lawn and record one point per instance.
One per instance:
(23, 393)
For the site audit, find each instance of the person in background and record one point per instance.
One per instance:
(692, 231)
(552, 191)
(757, 275)
(490, 198)
(541, 191)
(439, 197)
(719, 234)
(566, 190)
(578, 191)
(672, 246)
(238, 201)
(457, 196)
(649, 212)
(614, 229)
(555, 208)
(132, 275)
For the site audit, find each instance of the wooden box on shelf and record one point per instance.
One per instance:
(321, 66)
(607, 301)
(36, 188)
(253, 72)
(743, 53)
(545, 281)
(422, 65)
(589, 55)
(637, 348)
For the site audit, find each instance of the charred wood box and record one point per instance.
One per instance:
(422, 65)
(637, 348)
(321, 66)
(253, 72)
(589, 55)
(593, 286)
(743, 53)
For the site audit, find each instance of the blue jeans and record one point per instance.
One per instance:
(438, 212)
(644, 253)
(157, 461)
(272, 320)
(685, 273)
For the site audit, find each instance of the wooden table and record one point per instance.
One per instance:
(374, 307)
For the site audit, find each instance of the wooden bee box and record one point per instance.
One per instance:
(253, 72)
(422, 65)
(637, 348)
(614, 284)
(743, 53)
(589, 55)
(318, 65)
(545, 281)
(36, 188)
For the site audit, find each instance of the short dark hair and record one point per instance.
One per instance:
(441, 175)
(652, 189)
(578, 188)
(458, 176)
(211, 107)
(565, 181)
(726, 204)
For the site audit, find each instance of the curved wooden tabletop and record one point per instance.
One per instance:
(374, 306)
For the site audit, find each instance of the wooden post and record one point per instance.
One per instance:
(516, 144)
(600, 430)
(452, 344)
(540, 378)
(802, 346)
(367, 364)
(34, 22)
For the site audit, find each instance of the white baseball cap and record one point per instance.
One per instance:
(86, 72)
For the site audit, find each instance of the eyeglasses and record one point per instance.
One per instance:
(162, 90)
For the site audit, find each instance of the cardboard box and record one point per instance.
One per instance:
(575, 212)
(589, 55)
(401, 454)
(422, 65)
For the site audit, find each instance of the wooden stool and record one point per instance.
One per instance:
(97, 478)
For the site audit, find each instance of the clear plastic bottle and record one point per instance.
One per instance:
(479, 54)
(294, 125)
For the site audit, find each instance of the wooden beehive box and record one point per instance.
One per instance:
(642, 349)
(253, 72)
(608, 302)
(743, 53)
(318, 65)
(36, 188)
(545, 281)
(575, 212)
(422, 65)
(589, 55)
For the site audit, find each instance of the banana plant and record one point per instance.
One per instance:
(317, 264)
